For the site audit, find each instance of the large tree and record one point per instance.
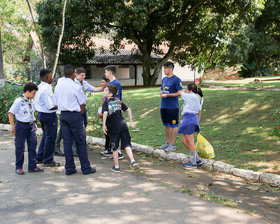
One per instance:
(264, 34)
(183, 26)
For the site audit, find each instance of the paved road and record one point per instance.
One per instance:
(101, 198)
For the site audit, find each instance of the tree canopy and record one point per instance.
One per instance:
(196, 32)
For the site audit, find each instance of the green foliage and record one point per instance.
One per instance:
(262, 34)
(16, 42)
(76, 46)
(192, 30)
(7, 96)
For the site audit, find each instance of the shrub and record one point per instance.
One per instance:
(7, 96)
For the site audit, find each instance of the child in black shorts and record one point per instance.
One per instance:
(115, 125)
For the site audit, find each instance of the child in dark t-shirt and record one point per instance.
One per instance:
(115, 125)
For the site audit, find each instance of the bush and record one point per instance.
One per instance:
(7, 96)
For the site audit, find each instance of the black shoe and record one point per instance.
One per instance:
(107, 153)
(121, 156)
(92, 170)
(38, 161)
(71, 172)
(57, 152)
(52, 164)
(199, 163)
(116, 170)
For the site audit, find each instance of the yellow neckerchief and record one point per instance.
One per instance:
(30, 106)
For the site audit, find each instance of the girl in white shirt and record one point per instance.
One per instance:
(193, 100)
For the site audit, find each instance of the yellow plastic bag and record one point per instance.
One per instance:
(204, 148)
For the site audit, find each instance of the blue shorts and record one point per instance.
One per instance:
(169, 117)
(189, 125)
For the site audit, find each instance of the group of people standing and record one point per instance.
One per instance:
(69, 101)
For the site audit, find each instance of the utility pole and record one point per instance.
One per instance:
(2, 80)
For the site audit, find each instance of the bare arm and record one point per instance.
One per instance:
(12, 123)
(199, 115)
(130, 118)
(105, 114)
(97, 89)
(163, 95)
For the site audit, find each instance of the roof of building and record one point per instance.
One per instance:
(103, 56)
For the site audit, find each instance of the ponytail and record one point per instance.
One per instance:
(199, 92)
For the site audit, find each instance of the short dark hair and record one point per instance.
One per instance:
(30, 87)
(111, 68)
(45, 72)
(112, 89)
(68, 70)
(169, 64)
(80, 70)
(105, 79)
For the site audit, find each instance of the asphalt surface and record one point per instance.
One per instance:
(100, 198)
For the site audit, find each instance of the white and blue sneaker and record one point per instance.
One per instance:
(170, 148)
(164, 146)
(190, 165)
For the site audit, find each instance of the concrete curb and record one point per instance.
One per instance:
(208, 164)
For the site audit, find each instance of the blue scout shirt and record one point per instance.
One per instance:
(68, 96)
(170, 85)
(43, 99)
(117, 83)
(21, 109)
(86, 87)
(192, 103)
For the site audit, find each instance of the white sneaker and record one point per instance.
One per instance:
(164, 146)
(170, 148)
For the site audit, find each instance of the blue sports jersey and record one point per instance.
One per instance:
(117, 83)
(170, 85)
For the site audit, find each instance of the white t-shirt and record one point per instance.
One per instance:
(192, 103)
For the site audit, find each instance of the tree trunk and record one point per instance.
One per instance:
(2, 81)
(147, 76)
(40, 51)
(60, 38)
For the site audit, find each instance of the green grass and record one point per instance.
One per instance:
(266, 84)
(242, 126)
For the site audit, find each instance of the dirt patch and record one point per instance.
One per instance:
(219, 74)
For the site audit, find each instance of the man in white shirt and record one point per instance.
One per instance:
(48, 119)
(70, 100)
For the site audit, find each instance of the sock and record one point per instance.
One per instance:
(133, 161)
(192, 158)
(197, 158)
(119, 151)
(117, 167)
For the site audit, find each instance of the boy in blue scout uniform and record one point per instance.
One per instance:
(171, 88)
(47, 115)
(70, 100)
(25, 128)
(86, 87)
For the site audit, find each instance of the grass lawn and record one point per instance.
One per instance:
(242, 126)
(266, 84)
